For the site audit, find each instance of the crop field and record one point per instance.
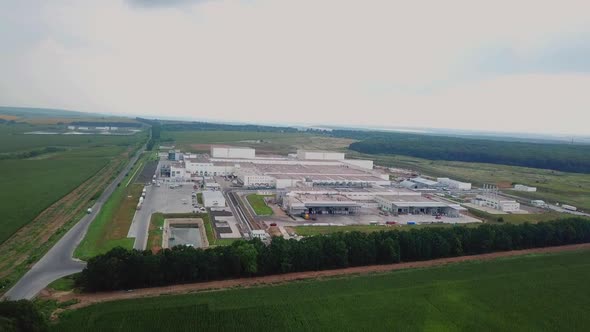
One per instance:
(263, 142)
(552, 186)
(30, 186)
(12, 139)
(524, 293)
(259, 205)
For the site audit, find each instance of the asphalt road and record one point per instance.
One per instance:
(58, 261)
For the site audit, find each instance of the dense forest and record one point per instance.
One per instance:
(561, 157)
(183, 126)
(126, 269)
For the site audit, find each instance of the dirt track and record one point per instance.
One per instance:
(90, 298)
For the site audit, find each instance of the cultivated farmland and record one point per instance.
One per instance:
(500, 295)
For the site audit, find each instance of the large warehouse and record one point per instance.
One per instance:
(307, 168)
(415, 204)
(295, 203)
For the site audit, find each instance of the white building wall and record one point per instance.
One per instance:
(521, 187)
(178, 173)
(319, 155)
(257, 180)
(233, 152)
(509, 206)
(454, 184)
(210, 169)
(365, 164)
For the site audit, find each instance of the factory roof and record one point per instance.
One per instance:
(412, 201)
(424, 181)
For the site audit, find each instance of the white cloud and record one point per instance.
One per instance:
(336, 62)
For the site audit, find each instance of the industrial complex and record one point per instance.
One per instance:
(309, 187)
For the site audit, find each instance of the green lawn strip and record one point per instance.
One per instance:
(63, 284)
(525, 293)
(95, 242)
(200, 198)
(259, 205)
(155, 231)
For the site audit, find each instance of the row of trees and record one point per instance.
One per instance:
(204, 126)
(562, 157)
(124, 269)
(31, 153)
(21, 315)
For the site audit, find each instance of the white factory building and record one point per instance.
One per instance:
(416, 204)
(223, 151)
(319, 155)
(522, 187)
(213, 199)
(419, 183)
(306, 168)
(354, 200)
(454, 184)
(496, 202)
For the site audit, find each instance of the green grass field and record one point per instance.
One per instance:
(110, 228)
(32, 185)
(259, 205)
(527, 293)
(263, 142)
(29, 186)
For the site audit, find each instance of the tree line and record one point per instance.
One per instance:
(205, 126)
(21, 315)
(556, 156)
(126, 269)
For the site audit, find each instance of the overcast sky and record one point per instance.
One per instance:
(503, 65)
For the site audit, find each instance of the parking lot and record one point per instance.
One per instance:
(161, 199)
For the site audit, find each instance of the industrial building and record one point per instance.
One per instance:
(353, 200)
(420, 183)
(496, 202)
(213, 199)
(298, 203)
(232, 152)
(522, 187)
(319, 155)
(415, 204)
(454, 184)
(306, 168)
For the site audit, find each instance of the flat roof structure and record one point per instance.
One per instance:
(412, 201)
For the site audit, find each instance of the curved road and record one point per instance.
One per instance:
(58, 261)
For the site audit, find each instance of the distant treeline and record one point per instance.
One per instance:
(106, 124)
(561, 157)
(31, 153)
(185, 126)
(126, 269)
